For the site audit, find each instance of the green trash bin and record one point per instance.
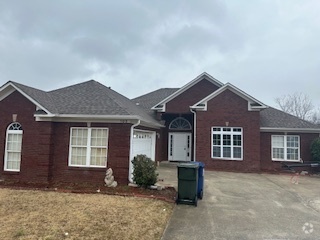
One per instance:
(187, 183)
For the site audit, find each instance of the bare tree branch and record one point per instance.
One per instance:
(315, 116)
(300, 105)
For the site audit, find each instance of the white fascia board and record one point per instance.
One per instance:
(186, 87)
(255, 108)
(199, 108)
(293, 130)
(159, 109)
(237, 91)
(151, 125)
(245, 96)
(94, 118)
(84, 118)
(5, 92)
(209, 97)
(9, 88)
(260, 107)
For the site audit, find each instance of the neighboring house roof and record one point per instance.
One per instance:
(160, 106)
(147, 101)
(252, 102)
(272, 119)
(90, 99)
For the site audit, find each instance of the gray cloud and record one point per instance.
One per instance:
(267, 48)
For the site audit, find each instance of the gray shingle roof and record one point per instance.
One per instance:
(41, 97)
(93, 98)
(87, 98)
(148, 100)
(274, 118)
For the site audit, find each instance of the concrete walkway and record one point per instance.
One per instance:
(248, 206)
(168, 174)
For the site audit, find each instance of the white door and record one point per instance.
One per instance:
(179, 147)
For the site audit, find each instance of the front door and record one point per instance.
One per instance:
(179, 148)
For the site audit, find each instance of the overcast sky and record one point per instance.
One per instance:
(267, 48)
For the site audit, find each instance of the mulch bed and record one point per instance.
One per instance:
(167, 194)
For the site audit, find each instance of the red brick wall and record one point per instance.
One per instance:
(182, 103)
(117, 159)
(265, 145)
(36, 142)
(228, 107)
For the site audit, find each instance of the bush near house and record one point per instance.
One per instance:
(315, 150)
(144, 171)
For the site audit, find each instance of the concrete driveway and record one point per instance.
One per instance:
(248, 206)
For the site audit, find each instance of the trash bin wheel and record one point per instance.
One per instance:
(201, 194)
(196, 201)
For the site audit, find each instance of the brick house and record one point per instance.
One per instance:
(78, 131)
(226, 128)
(70, 133)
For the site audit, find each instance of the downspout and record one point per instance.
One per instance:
(194, 133)
(131, 150)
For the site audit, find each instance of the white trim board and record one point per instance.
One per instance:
(202, 104)
(293, 130)
(204, 76)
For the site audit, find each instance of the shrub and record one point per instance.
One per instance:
(144, 171)
(315, 150)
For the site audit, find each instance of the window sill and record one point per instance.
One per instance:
(284, 160)
(77, 168)
(10, 172)
(228, 159)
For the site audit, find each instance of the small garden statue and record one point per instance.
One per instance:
(109, 179)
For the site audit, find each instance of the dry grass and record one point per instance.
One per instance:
(28, 214)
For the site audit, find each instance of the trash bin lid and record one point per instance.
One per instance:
(188, 165)
(201, 164)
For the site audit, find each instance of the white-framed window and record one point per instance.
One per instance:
(12, 158)
(285, 147)
(180, 123)
(88, 147)
(227, 143)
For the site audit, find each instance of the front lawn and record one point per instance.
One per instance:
(30, 214)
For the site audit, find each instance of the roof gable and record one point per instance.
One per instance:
(36, 96)
(253, 104)
(88, 100)
(160, 106)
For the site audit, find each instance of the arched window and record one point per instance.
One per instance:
(12, 157)
(180, 123)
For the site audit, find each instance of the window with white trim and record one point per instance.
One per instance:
(285, 147)
(12, 158)
(88, 147)
(180, 123)
(227, 143)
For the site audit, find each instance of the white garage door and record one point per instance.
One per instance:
(143, 143)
